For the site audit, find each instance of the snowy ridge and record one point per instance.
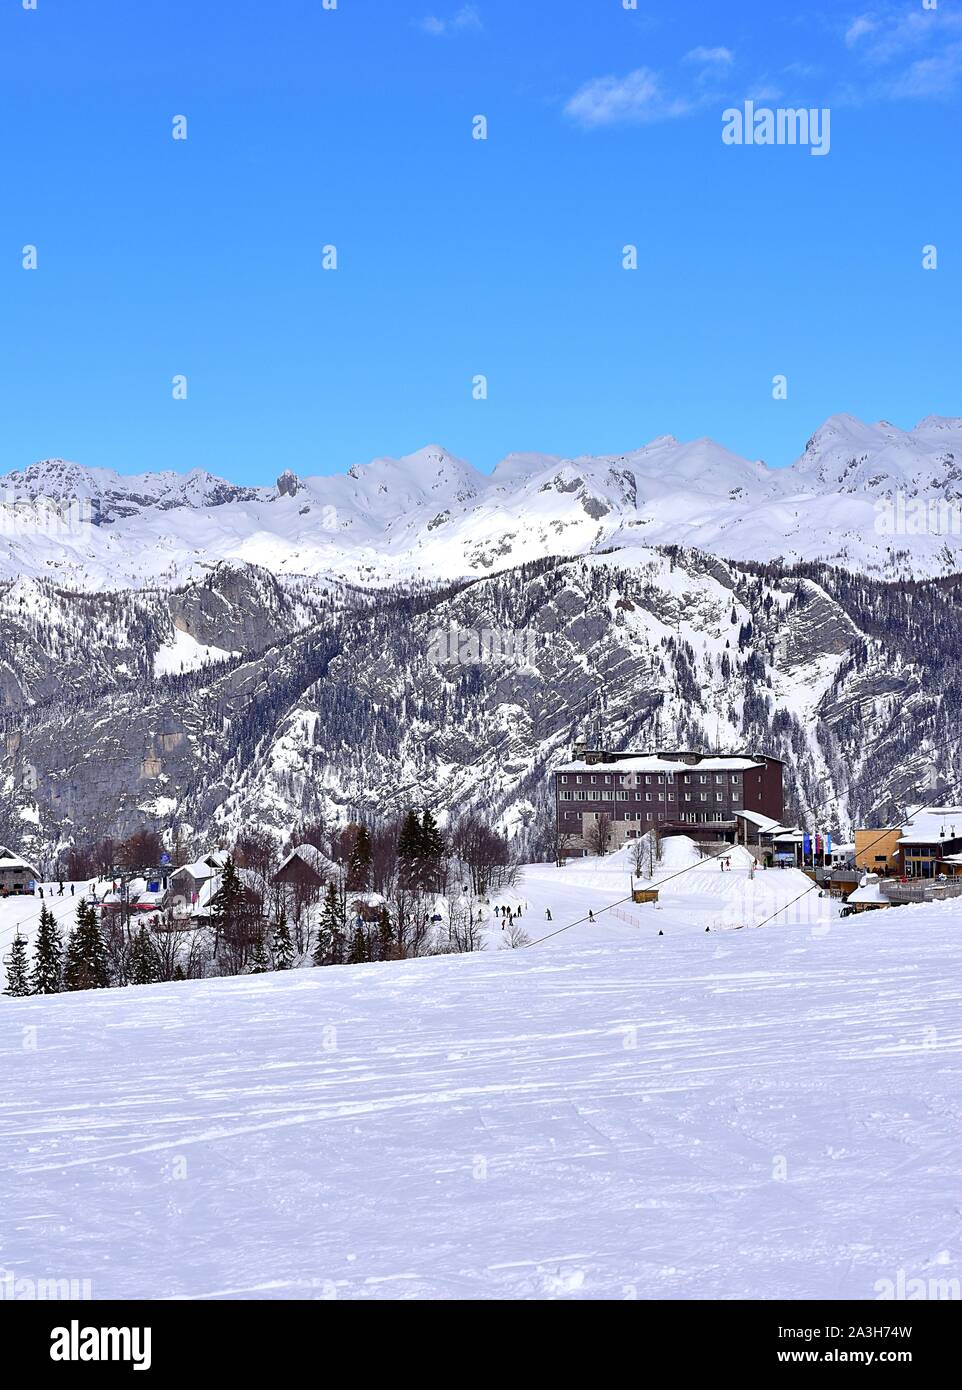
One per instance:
(431, 516)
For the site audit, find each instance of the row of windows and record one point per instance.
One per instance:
(632, 779)
(690, 817)
(648, 796)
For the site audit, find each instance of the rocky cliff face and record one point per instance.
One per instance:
(242, 699)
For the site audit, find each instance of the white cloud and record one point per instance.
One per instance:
(632, 100)
(938, 76)
(467, 17)
(918, 49)
(858, 28)
(711, 57)
(896, 30)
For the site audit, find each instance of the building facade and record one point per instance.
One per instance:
(927, 846)
(602, 795)
(17, 875)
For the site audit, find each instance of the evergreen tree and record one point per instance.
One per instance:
(330, 930)
(359, 953)
(227, 903)
(87, 964)
(48, 956)
(143, 964)
(359, 863)
(432, 841)
(18, 969)
(432, 851)
(235, 925)
(282, 947)
(409, 844)
(260, 960)
(385, 936)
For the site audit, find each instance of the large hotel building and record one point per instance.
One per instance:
(711, 796)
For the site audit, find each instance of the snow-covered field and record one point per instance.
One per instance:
(759, 1113)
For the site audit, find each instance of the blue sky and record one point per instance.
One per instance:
(459, 257)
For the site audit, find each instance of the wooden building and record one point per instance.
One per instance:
(17, 875)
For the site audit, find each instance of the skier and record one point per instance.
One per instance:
(547, 913)
(41, 891)
(591, 915)
(60, 892)
(72, 890)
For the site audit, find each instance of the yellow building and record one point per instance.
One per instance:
(877, 851)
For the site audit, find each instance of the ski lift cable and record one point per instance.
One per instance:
(677, 874)
(812, 887)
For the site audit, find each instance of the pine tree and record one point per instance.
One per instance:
(385, 936)
(226, 904)
(432, 851)
(359, 953)
(410, 842)
(48, 956)
(359, 863)
(282, 947)
(230, 913)
(87, 964)
(18, 969)
(143, 964)
(260, 960)
(330, 930)
(432, 841)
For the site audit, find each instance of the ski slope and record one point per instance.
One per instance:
(694, 895)
(766, 1113)
(22, 913)
(701, 896)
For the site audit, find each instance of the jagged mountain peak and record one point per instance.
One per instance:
(432, 515)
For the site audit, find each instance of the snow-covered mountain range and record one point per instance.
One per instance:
(871, 498)
(178, 651)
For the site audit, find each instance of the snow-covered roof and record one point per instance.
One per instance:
(930, 825)
(764, 823)
(199, 869)
(869, 891)
(370, 899)
(313, 858)
(630, 762)
(9, 859)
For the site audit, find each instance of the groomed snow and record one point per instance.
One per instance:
(767, 1113)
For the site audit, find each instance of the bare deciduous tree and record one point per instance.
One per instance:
(599, 834)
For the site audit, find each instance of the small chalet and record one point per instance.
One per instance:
(192, 883)
(366, 907)
(17, 875)
(305, 867)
